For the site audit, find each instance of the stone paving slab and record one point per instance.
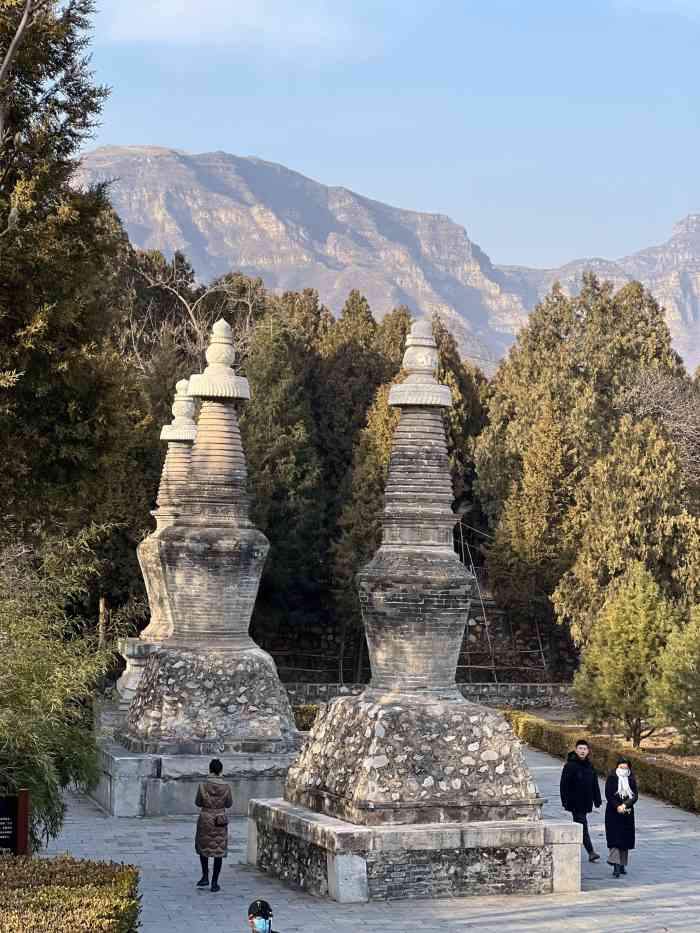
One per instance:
(661, 893)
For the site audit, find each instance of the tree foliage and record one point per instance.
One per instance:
(676, 693)
(285, 471)
(630, 508)
(555, 411)
(51, 665)
(621, 661)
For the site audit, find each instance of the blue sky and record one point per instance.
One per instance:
(550, 130)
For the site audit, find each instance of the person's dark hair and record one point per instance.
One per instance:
(260, 908)
(215, 766)
(582, 742)
(623, 761)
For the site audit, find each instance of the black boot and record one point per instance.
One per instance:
(616, 871)
(623, 870)
(203, 881)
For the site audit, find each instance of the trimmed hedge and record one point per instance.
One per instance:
(305, 715)
(66, 895)
(657, 778)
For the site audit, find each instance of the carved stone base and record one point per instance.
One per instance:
(133, 784)
(209, 703)
(377, 759)
(329, 857)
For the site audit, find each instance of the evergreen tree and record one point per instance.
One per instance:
(676, 694)
(50, 668)
(285, 474)
(621, 662)
(629, 509)
(566, 375)
(306, 317)
(390, 339)
(526, 557)
(72, 424)
(351, 370)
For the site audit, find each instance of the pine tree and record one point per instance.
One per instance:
(676, 694)
(72, 424)
(575, 360)
(390, 339)
(351, 370)
(526, 556)
(629, 509)
(621, 662)
(285, 475)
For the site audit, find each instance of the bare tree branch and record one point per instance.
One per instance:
(674, 403)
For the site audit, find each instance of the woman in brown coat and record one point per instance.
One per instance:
(211, 839)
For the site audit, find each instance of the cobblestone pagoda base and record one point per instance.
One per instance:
(410, 759)
(328, 857)
(193, 701)
(142, 784)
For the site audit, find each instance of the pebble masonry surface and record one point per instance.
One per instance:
(662, 892)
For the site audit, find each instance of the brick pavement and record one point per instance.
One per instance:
(662, 892)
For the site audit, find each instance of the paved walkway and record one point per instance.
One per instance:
(661, 893)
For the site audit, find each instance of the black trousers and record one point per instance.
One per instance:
(204, 862)
(582, 818)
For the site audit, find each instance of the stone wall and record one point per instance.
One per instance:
(459, 872)
(517, 696)
(297, 861)
(413, 873)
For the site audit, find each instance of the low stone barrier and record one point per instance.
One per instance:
(516, 696)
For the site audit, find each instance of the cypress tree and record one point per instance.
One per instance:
(554, 409)
(285, 473)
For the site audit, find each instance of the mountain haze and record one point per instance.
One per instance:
(230, 213)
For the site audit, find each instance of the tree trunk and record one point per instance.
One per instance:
(636, 733)
(102, 623)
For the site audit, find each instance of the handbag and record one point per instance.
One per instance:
(220, 819)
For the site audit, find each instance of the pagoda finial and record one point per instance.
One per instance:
(219, 380)
(420, 361)
(182, 427)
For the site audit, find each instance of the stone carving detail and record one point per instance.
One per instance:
(210, 558)
(410, 749)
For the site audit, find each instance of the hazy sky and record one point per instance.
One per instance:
(551, 129)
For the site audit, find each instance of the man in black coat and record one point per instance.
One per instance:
(580, 791)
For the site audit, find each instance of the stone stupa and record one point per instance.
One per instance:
(409, 790)
(206, 688)
(179, 435)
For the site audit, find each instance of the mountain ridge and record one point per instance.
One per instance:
(230, 212)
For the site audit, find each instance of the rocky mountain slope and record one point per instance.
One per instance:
(228, 213)
(670, 271)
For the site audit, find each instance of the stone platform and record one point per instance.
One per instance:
(142, 784)
(331, 858)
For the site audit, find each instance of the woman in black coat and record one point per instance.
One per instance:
(621, 794)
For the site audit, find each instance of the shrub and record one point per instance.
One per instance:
(66, 895)
(657, 778)
(676, 695)
(49, 668)
(620, 663)
(305, 715)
